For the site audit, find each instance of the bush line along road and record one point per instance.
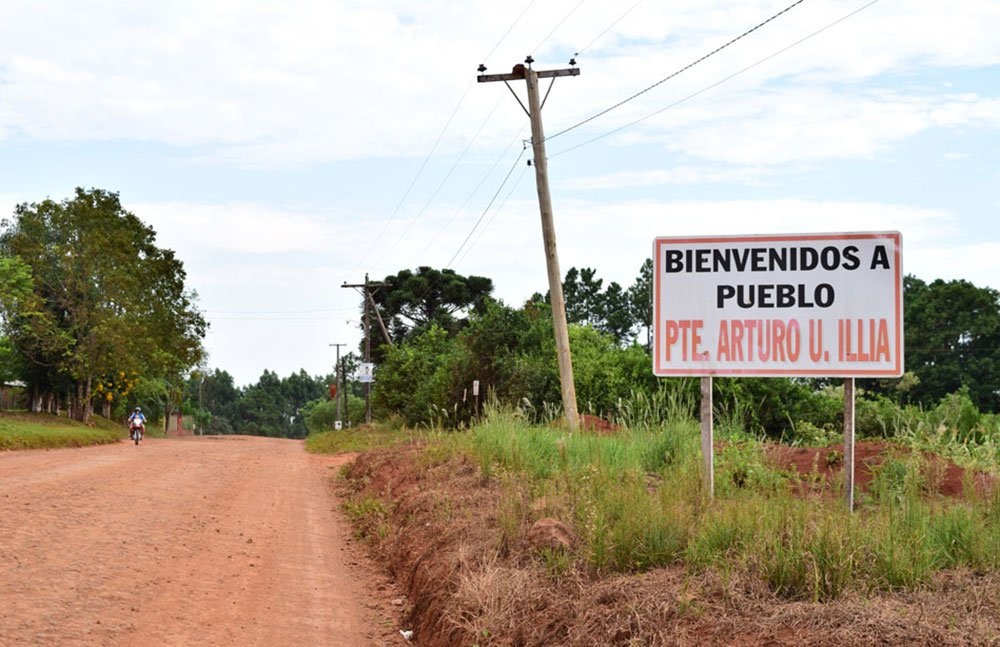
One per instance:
(201, 541)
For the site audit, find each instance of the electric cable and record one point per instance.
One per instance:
(717, 83)
(486, 210)
(538, 47)
(493, 217)
(609, 28)
(437, 141)
(472, 193)
(678, 72)
(413, 182)
(509, 29)
(440, 185)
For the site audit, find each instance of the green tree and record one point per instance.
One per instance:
(10, 363)
(415, 379)
(603, 371)
(583, 294)
(215, 396)
(640, 303)
(613, 310)
(299, 389)
(321, 415)
(34, 343)
(263, 408)
(105, 300)
(952, 333)
(415, 301)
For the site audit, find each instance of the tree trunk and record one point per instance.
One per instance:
(76, 408)
(88, 404)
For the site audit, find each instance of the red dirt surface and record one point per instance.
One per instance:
(597, 425)
(823, 466)
(194, 541)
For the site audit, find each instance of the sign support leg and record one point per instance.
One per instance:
(707, 443)
(849, 442)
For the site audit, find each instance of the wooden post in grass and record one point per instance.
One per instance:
(707, 445)
(849, 442)
(559, 325)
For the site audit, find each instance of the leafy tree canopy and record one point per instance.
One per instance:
(104, 300)
(952, 331)
(620, 312)
(413, 301)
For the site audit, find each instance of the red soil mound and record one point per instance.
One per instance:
(822, 466)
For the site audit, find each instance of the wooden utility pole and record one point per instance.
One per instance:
(336, 380)
(541, 164)
(368, 287)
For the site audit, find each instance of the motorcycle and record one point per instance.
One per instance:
(135, 431)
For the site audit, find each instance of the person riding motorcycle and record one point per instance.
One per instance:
(136, 421)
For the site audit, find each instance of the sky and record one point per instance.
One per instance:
(284, 149)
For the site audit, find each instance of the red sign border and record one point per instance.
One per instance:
(896, 371)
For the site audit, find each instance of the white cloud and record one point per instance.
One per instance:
(678, 175)
(778, 126)
(237, 228)
(270, 83)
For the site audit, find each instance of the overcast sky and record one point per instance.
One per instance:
(285, 148)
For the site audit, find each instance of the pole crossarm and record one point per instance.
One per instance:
(518, 75)
(362, 285)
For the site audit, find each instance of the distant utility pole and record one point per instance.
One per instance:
(541, 164)
(336, 381)
(367, 297)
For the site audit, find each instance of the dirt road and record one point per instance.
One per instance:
(200, 541)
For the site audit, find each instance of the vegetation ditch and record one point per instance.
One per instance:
(502, 531)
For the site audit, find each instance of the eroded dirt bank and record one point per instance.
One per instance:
(199, 541)
(473, 578)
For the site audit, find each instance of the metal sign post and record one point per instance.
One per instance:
(707, 440)
(849, 442)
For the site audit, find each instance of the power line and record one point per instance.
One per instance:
(467, 199)
(413, 182)
(609, 28)
(717, 83)
(275, 319)
(441, 184)
(437, 141)
(509, 29)
(482, 215)
(274, 312)
(458, 161)
(538, 47)
(489, 223)
(680, 71)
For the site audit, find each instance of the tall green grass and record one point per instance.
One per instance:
(635, 499)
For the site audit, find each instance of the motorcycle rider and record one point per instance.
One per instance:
(136, 419)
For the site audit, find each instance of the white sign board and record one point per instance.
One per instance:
(817, 305)
(366, 372)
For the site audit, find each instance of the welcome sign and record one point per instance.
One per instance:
(817, 305)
